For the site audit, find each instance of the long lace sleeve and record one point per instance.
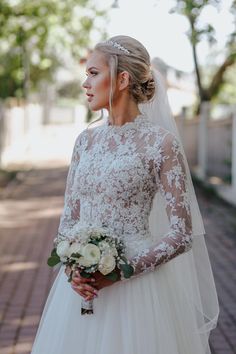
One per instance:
(171, 180)
(71, 210)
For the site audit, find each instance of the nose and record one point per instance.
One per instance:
(86, 84)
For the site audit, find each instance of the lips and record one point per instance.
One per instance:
(90, 96)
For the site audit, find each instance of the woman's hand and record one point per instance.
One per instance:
(98, 281)
(81, 285)
(101, 281)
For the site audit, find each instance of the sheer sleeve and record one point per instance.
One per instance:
(172, 184)
(71, 210)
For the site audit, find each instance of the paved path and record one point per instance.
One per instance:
(29, 216)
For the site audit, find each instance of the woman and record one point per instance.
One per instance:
(131, 173)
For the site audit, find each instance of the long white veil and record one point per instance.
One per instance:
(192, 269)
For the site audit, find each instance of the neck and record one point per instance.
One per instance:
(125, 111)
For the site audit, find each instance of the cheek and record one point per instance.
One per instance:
(103, 84)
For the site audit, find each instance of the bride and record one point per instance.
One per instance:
(131, 173)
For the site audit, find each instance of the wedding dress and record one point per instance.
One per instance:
(114, 175)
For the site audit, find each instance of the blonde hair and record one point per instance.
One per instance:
(124, 53)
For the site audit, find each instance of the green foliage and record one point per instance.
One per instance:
(54, 259)
(192, 9)
(113, 276)
(227, 93)
(71, 89)
(34, 36)
(126, 268)
(198, 31)
(85, 275)
(7, 176)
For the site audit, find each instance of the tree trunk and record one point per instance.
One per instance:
(218, 77)
(195, 59)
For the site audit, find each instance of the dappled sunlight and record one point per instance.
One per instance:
(27, 321)
(17, 213)
(18, 348)
(216, 180)
(43, 145)
(19, 266)
(8, 258)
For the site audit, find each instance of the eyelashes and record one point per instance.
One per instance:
(93, 73)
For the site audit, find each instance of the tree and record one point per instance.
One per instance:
(192, 10)
(34, 35)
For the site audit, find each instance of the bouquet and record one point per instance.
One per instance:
(91, 249)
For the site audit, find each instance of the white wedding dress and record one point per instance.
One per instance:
(114, 175)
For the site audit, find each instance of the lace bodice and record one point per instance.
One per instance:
(114, 175)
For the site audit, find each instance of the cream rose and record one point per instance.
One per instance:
(83, 262)
(107, 264)
(104, 246)
(63, 248)
(91, 254)
(74, 248)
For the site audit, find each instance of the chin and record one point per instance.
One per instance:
(96, 108)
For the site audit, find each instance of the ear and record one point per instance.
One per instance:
(123, 80)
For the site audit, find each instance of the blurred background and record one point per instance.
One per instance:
(43, 50)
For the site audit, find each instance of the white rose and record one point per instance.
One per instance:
(106, 248)
(74, 248)
(63, 248)
(107, 264)
(103, 245)
(83, 262)
(91, 254)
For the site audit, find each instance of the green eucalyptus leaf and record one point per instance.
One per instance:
(112, 276)
(53, 260)
(127, 269)
(85, 275)
(54, 252)
(75, 255)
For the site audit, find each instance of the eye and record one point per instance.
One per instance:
(91, 73)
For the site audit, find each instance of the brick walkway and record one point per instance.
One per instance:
(29, 216)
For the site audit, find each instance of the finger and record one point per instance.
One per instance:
(82, 292)
(84, 286)
(78, 289)
(78, 278)
(81, 288)
(89, 296)
(91, 289)
(85, 280)
(68, 270)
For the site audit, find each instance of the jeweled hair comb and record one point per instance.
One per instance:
(118, 46)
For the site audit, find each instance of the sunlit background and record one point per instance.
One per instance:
(43, 50)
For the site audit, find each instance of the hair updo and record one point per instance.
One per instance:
(129, 55)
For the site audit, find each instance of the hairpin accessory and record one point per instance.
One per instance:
(118, 46)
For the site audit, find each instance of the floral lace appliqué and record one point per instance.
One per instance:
(114, 175)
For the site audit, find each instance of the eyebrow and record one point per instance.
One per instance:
(92, 67)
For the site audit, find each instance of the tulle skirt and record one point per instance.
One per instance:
(148, 314)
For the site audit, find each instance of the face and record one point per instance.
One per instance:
(97, 84)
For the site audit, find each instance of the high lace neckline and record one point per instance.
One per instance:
(131, 124)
